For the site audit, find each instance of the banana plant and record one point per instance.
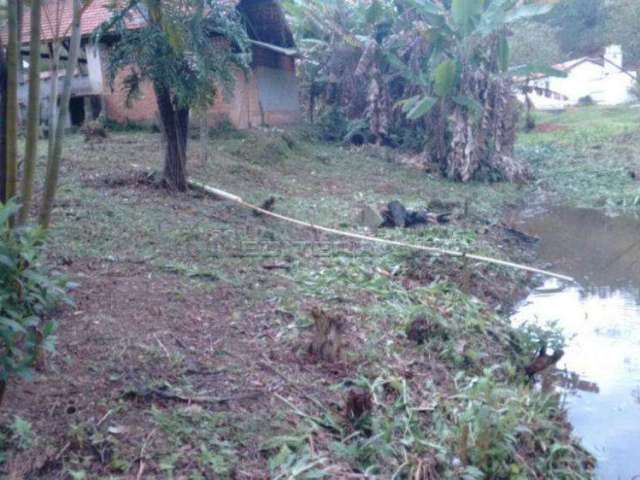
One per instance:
(471, 34)
(444, 65)
(341, 42)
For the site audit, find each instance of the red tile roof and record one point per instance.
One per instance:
(57, 16)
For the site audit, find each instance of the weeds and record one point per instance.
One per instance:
(455, 405)
(193, 442)
(28, 293)
(490, 429)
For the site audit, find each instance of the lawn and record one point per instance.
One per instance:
(586, 157)
(191, 351)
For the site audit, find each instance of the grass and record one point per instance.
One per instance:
(174, 295)
(586, 158)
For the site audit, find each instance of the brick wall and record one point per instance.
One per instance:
(143, 110)
(242, 107)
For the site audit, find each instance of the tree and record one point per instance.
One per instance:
(535, 43)
(33, 114)
(467, 80)
(53, 19)
(188, 50)
(11, 102)
(3, 125)
(623, 20)
(3, 109)
(580, 26)
(55, 153)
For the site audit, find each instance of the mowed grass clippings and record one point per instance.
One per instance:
(187, 355)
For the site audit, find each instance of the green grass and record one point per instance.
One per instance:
(587, 160)
(456, 406)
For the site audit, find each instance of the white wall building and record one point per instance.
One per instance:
(602, 79)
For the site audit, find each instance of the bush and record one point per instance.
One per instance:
(28, 293)
(332, 125)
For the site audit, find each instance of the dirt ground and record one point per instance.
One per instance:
(186, 353)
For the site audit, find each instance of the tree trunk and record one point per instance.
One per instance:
(175, 123)
(20, 63)
(3, 390)
(33, 114)
(3, 125)
(55, 155)
(12, 102)
(204, 138)
(54, 67)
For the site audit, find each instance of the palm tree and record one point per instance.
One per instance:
(186, 50)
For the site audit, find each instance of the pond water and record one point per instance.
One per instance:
(601, 321)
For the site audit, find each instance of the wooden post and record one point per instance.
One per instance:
(88, 109)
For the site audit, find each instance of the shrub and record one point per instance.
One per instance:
(332, 125)
(28, 293)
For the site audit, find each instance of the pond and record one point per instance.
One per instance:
(600, 318)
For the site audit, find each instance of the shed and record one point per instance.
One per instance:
(267, 96)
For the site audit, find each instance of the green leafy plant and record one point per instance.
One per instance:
(189, 51)
(437, 69)
(22, 432)
(28, 293)
(195, 430)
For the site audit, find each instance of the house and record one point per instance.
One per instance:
(600, 80)
(267, 96)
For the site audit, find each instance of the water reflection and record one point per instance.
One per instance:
(600, 251)
(602, 323)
